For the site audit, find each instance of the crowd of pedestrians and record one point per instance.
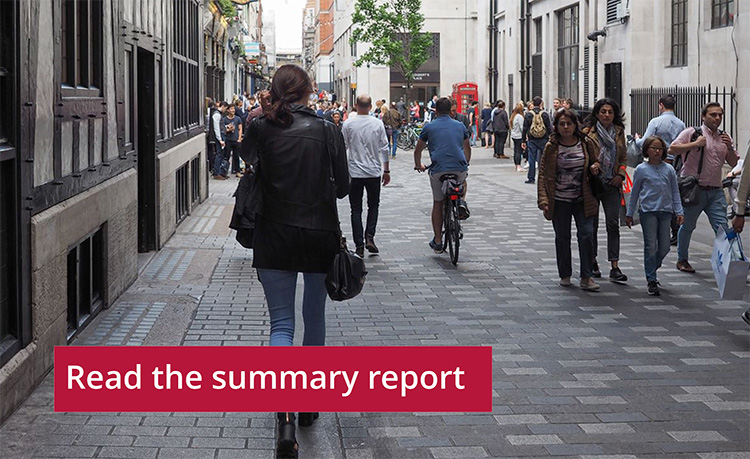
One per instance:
(304, 152)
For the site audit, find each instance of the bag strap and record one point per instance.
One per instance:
(332, 181)
(698, 132)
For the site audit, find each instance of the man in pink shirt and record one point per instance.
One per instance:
(715, 147)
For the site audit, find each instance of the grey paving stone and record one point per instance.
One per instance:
(458, 452)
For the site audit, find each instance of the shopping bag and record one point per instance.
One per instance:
(627, 186)
(635, 156)
(729, 265)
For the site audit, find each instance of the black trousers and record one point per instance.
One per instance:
(356, 193)
(233, 148)
(517, 151)
(500, 138)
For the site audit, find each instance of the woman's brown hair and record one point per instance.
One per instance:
(516, 111)
(290, 85)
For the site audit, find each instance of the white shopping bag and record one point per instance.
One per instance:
(729, 264)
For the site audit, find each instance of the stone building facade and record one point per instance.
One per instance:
(102, 154)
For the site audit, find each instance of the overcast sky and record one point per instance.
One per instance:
(288, 22)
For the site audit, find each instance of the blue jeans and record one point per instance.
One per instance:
(714, 204)
(657, 228)
(473, 141)
(280, 288)
(535, 148)
(221, 165)
(394, 142)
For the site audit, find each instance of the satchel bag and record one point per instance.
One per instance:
(597, 185)
(689, 184)
(346, 276)
(245, 205)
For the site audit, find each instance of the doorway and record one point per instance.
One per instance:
(146, 147)
(613, 81)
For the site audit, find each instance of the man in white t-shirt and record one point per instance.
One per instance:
(367, 149)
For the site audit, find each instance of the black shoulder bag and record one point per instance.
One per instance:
(346, 277)
(689, 184)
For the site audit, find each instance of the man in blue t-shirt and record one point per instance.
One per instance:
(450, 153)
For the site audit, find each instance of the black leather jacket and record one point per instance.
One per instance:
(295, 166)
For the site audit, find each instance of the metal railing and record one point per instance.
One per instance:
(644, 105)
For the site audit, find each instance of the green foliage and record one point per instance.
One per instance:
(393, 28)
(228, 10)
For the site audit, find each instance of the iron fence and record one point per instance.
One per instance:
(644, 105)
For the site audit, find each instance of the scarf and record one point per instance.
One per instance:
(608, 148)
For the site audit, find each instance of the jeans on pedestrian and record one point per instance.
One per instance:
(561, 222)
(611, 201)
(517, 151)
(394, 142)
(535, 148)
(221, 165)
(500, 138)
(280, 290)
(656, 231)
(356, 193)
(233, 148)
(473, 142)
(714, 204)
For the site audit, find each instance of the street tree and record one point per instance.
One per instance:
(393, 29)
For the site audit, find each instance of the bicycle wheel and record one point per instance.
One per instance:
(452, 229)
(403, 140)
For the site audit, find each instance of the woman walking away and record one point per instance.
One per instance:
(655, 188)
(516, 134)
(564, 191)
(606, 129)
(296, 224)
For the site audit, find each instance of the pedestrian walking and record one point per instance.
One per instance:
(564, 192)
(392, 121)
(336, 119)
(414, 111)
(500, 126)
(704, 150)
(296, 230)
(605, 127)
(516, 134)
(367, 148)
(536, 131)
(656, 197)
(220, 165)
(738, 222)
(231, 128)
(430, 112)
(401, 107)
(486, 126)
(473, 122)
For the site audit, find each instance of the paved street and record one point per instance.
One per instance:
(613, 374)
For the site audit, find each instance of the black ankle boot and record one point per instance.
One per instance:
(286, 447)
(307, 419)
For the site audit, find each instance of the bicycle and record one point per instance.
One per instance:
(452, 235)
(409, 135)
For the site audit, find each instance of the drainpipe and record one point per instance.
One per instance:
(491, 60)
(522, 19)
(529, 88)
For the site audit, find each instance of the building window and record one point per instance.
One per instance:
(186, 102)
(722, 13)
(612, 10)
(679, 33)
(538, 35)
(81, 49)
(85, 281)
(567, 53)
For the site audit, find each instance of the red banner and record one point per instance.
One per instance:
(268, 379)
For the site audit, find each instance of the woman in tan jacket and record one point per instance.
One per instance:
(605, 127)
(564, 192)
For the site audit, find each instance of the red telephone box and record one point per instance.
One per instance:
(465, 93)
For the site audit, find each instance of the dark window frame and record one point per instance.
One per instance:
(679, 34)
(568, 49)
(186, 104)
(87, 280)
(722, 13)
(82, 52)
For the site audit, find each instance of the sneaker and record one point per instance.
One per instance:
(437, 247)
(595, 272)
(565, 282)
(589, 285)
(684, 266)
(360, 251)
(653, 288)
(525, 165)
(463, 210)
(615, 275)
(370, 244)
(529, 181)
(746, 316)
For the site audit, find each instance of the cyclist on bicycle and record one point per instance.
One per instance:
(448, 143)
